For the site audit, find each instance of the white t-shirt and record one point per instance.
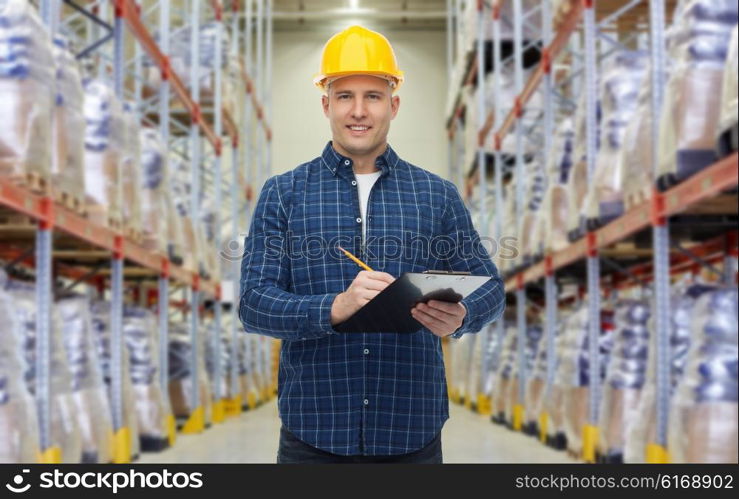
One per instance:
(365, 181)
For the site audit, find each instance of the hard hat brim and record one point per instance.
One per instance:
(321, 80)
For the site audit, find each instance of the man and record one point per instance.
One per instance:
(377, 397)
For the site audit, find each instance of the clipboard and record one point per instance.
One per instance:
(390, 311)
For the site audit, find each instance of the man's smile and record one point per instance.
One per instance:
(358, 130)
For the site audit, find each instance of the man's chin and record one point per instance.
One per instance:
(358, 147)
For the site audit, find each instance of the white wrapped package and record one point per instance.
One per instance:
(643, 432)
(131, 169)
(535, 187)
(232, 83)
(560, 160)
(536, 383)
(175, 231)
(487, 361)
(105, 141)
(26, 91)
(703, 420)
(206, 240)
(635, 157)
(729, 92)
(462, 357)
(554, 214)
(553, 400)
(513, 397)
(620, 82)
(503, 375)
(100, 313)
(508, 259)
(698, 46)
(577, 181)
(180, 194)
(67, 160)
(249, 393)
(140, 331)
(224, 360)
(573, 378)
(154, 181)
(18, 424)
(235, 354)
(574, 373)
(625, 378)
(493, 352)
(88, 389)
(180, 375)
(210, 360)
(64, 432)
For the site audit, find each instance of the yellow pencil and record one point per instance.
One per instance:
(356, 260)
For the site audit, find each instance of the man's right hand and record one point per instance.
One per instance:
(365, 286)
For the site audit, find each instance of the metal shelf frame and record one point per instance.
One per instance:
(583, 17)
(92, 26)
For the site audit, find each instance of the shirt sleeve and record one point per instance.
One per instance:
(265, 306)
(468, 253)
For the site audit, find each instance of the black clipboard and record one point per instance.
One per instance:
(390, 311)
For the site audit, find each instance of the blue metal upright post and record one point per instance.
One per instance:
(49, 451)
(657, 452)
(252, 175)
(122, 436)
(164, 94)
(550, 287)
(520, 185)
(215, 337)
(590, 431)
(196, 423)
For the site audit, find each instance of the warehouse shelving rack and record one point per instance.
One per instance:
(94, 244)
(654, 214)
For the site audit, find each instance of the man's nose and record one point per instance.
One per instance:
(359, 110)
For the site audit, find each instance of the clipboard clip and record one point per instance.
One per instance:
(445, 272)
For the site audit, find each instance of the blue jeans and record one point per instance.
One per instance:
(294, 451)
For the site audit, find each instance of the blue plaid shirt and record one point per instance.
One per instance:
(370, 393)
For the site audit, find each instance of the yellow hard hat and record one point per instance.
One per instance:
(358, 50)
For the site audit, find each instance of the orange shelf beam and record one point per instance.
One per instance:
(130, 14)
(21, 200)
(706, 184)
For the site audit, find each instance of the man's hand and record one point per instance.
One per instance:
(363, 288)
(440, 317)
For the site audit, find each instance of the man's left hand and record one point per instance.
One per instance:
(440, 317)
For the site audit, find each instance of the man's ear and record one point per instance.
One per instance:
(394, 105)
(324, 103)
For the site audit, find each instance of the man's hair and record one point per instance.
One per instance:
(390, 83)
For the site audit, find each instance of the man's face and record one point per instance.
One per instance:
(360, 109)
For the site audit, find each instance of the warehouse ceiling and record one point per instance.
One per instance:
(397, 14)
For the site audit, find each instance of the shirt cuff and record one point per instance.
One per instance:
(465, 322)
(319, 314)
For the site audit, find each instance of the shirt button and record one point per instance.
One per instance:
(359, 220)
(347, 162)
(354, 182)
(366, 402)
(366, 351)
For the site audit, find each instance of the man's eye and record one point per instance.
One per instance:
(343, 97)
(374, 97)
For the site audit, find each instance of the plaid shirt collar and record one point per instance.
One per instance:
(339, 164)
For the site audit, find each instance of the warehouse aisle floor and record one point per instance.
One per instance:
(252, 438)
